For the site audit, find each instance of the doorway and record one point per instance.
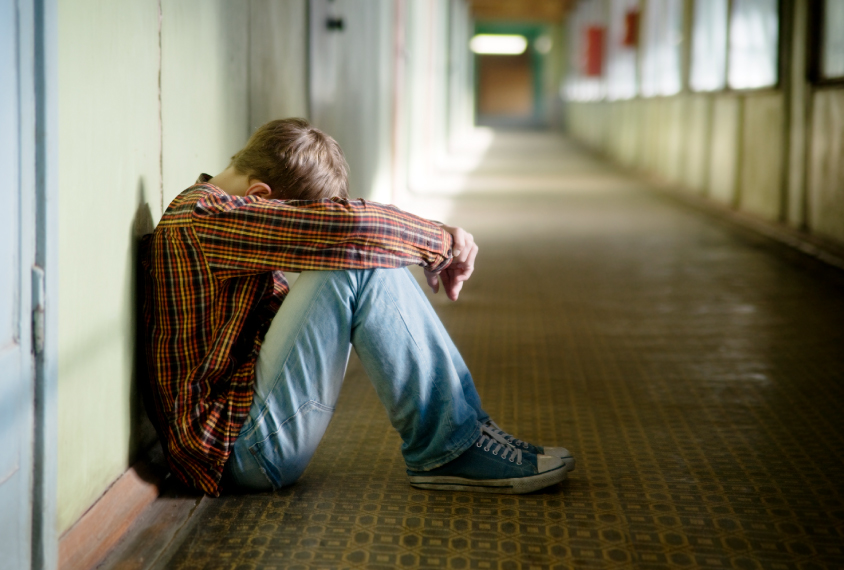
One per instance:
(509, 87)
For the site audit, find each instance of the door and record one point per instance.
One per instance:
(17, 238)
(350, 64)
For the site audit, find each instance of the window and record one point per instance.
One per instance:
(662, 42)
(709, 46)
(832, 49)
(754, 44)
(587, 25)
(621, 49)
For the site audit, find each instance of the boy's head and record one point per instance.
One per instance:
(296, 160)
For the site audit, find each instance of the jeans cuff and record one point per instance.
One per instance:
(465, 443)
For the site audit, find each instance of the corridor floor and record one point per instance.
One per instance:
(696, 373)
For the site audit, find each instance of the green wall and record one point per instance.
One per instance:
(151, 93)
(109, 170)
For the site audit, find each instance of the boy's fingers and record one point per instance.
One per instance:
(473, 254)
(470, 260)
(433, 281)
(463, 270)
(459, 242)
(467, 247)
(454, 290)
(452, 285)
(463, 252)
(447, 282)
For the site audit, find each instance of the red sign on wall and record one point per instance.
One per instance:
(593, 62)
(631, 29)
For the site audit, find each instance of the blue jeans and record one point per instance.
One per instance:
(417, 372)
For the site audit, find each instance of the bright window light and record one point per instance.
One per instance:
(754, 43)
(498, 44)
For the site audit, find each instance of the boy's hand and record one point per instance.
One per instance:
(463, 251)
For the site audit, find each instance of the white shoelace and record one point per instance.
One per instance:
(490, 440)
(493, 427)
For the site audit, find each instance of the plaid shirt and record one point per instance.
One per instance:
(213, 282)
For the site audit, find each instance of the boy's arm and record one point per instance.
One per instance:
(247, 235)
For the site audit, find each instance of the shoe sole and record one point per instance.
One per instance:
(514, 486)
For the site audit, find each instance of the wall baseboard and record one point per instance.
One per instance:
(822, 250)
(101, 527)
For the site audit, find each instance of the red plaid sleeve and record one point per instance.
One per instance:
(247, 235)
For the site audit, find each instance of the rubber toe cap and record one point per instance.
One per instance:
(547, 463)
(563, 454)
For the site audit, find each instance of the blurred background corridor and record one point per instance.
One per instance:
(657, 189)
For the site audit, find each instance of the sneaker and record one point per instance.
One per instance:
(560, 452)
(492, 465)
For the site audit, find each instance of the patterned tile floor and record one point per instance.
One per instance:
(696, 373)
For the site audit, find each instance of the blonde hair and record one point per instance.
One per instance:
(296, 160)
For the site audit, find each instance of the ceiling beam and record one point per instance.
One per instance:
(545, 11)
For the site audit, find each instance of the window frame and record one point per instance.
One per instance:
(814, 53)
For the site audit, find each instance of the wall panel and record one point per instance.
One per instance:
(588, 121)
(762, 155)
(351, 88)
(674, 138)
(650, 135)
(108, 182)
(629, 131)
(696, 150)
(615, 135)
(204, 81)
(724, 157)
(278, 60)
(826, 175)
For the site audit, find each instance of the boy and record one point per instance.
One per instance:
(245, 371)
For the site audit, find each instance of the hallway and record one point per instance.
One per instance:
(695, 370)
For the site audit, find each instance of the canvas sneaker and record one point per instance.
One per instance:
(492, 465)
(560, 452)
